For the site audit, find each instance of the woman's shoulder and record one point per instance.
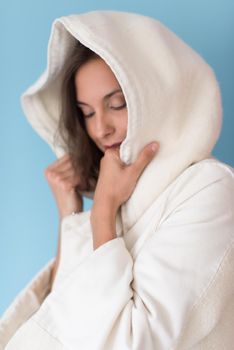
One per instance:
(203, 173)
(208, 177)
(215, 166)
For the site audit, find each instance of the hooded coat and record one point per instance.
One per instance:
(166, 281)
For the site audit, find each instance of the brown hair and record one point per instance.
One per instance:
(84, 153)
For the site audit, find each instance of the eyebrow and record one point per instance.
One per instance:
(105, 97)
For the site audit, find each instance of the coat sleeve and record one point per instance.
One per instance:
(29, 300)
(26, 303)
(109, 301)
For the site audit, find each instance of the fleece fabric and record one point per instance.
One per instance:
(165, 282)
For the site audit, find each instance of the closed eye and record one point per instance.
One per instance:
(119, 107)
(112, 107)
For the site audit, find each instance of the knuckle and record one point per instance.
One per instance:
(54, 176)
(110, 151)
(59, 180)
(66, 186)
(48, 172)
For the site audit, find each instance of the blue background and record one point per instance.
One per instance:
(28, 214)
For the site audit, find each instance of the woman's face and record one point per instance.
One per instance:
(101, 100)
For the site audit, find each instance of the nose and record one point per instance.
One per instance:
(104, 125)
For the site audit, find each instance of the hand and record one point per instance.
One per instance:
(63, 180)
(116, 180)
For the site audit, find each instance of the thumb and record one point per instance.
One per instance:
(145, 156)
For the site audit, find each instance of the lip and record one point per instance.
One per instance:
(114, 145)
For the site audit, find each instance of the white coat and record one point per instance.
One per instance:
(166, 282)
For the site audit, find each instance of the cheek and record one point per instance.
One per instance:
(124, 123)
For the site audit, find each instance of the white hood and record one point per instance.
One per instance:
(172, 95)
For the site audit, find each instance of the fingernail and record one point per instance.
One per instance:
(154, 146)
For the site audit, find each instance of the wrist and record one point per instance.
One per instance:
(103, 223)
(103, 210)
(105, 204)
(71, 212)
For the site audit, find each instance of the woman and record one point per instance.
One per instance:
(150, 265)
(83, 67)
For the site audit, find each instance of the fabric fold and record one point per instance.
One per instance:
(26, 304)
(140, 305)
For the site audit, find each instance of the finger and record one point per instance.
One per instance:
(72, 180)
(67, 173)
(112, 151)
(77, 179)
(65, 166)
(60, 161)
(58, 175)
(115, 152)
(145, 156)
